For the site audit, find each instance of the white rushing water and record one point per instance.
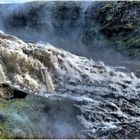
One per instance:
(79, 83)
(77, 31)
(85, 97)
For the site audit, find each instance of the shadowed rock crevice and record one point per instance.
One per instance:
(9, 92)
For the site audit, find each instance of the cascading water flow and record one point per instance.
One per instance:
(72, 26)
(48, 92)
(68, 25)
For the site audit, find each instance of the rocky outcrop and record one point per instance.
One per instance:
(25, 115)
(119, 22)
(8, 92)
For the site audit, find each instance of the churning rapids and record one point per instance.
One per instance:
(87, 99)
(68, 25)
(95, 100)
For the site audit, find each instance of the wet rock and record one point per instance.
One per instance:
(39, 117)
(8, 92)
(2, 118)
(119, 22)
(19, 117)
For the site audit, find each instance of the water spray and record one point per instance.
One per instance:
(47, 80)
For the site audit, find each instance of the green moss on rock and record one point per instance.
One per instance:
(120, 22)
(19, 117)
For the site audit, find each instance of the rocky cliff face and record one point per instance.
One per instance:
(90, 100)
(119, 21)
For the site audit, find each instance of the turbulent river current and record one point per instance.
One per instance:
(68, 25)
(66, 89)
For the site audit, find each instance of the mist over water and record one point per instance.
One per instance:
(86, 92)
(68, 25)
(63, 24)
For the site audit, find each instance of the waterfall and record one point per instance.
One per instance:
(47, 80)
(2, 75)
